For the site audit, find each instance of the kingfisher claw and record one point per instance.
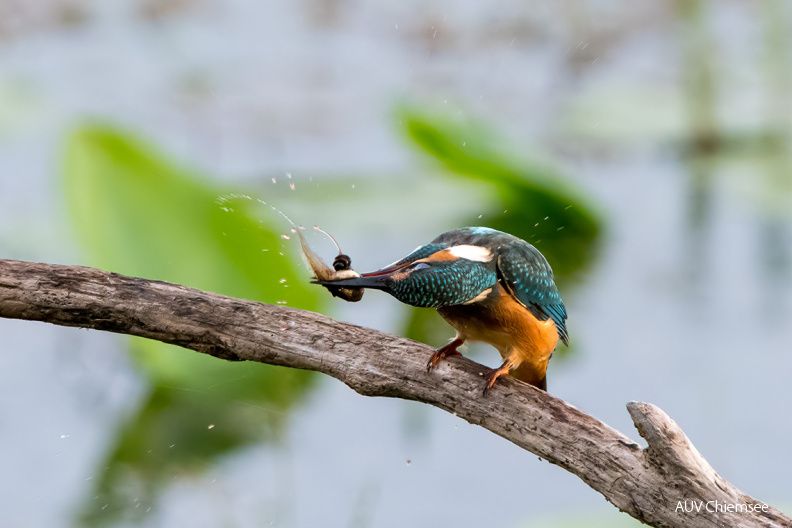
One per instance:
(492, 376)
(449, 350)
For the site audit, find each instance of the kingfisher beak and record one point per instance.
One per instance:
(386, 272)
(375, 280)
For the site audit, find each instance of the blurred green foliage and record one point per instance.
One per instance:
(139, 213)
(535, 202)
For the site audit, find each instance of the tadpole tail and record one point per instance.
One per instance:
(321, 270)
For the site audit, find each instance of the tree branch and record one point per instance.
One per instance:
(646, 483)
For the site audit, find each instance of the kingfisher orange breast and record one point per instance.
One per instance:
(501, 321)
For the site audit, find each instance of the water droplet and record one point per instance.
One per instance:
(480, 216)
(285, 237)
(274, 180)
(288, 175)
(292, 323)
(281, 302)
(172, 446)
(65, 436)
(282, 281)
(211, 426)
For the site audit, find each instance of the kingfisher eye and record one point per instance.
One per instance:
(420, 266)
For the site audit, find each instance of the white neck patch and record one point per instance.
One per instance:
(475, 253)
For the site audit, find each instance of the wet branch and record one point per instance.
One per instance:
(647, 483)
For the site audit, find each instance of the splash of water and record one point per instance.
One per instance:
(224, 202)
(224, 199)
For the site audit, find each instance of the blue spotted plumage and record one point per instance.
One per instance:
(490, 286)
(456, 282)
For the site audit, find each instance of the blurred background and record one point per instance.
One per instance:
(644, 147)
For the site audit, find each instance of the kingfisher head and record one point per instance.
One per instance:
(442, 273)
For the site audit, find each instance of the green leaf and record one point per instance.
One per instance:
(139, 213)
(536, 202)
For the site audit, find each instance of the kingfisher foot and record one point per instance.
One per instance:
(449, 350)
(491, 376)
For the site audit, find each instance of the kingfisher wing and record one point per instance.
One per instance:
(529, 278)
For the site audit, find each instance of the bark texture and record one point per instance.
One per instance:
(645, 482)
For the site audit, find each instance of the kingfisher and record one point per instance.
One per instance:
(490, 286)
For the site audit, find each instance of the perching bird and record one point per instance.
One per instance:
(490, 286)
